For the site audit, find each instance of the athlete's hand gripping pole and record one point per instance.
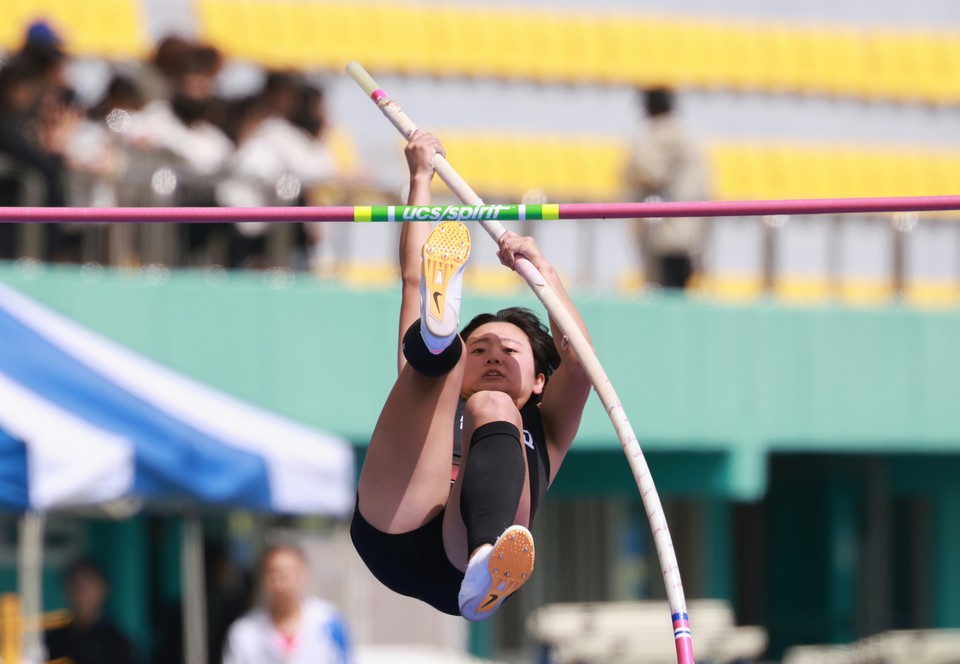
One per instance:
(598, 378)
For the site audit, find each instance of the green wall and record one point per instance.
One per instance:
(731, 383)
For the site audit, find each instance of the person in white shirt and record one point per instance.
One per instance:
(287, 627)
(180, 126)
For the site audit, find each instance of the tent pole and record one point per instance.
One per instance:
(30, 583)
(193, 592)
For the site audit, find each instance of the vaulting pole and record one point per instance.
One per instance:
(589, 361)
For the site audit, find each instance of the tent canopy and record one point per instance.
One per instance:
(85, 421)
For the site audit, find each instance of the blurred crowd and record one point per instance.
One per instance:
(159, 135)
(261, 616)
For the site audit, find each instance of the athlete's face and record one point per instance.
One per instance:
(499, 358)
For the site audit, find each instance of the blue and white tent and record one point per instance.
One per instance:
(84, 421)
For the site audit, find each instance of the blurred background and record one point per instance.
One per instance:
(793, 380)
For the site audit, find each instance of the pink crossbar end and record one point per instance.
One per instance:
(377, 95)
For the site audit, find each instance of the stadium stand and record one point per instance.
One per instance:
(610, 47)
(591, 168)
(752, 61)
(106, 28)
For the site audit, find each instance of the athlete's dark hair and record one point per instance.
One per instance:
(546, 359)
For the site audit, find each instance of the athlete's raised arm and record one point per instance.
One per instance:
(420, 151)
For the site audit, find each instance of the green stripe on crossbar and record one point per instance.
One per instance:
(456, 212)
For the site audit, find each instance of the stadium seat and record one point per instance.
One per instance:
(892, 64)
(803, 289)
(932, 293)
(847, 56)
(605, 47)
(97, 28)
(590, 168)
(864, 292)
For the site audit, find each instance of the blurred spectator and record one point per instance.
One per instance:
(43, 46)
(38, 116)
(90, 638)
(287, 627)
(281, 153)
(177, 133)
(163, 67)
(180, 126)
(95, 148)
(667, 164)
(31, 141)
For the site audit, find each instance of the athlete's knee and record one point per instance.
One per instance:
(492, 406)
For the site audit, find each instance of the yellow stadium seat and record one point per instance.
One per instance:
(743, 58)
(932, 293)
(580, 54)
(609, 50)
(316, 39)
(450, 52)
(889, 65)
(848, 57)
(275, 34)
(607, 47)
(368, 274)
(700, 54)
(815, 69)
(631, 281)
(555, 172)
(624, 48)
(228, 25)
(384, 47)
(731, 286)
(795, 73)
(652, 52)
(777, 66)
(736, 170)
(479, 39)
(593, 65)
(947, 59)
(520, 159)
(509, 55)
(492, 280)
(102, 28)
(551, 50)
(934, 68)
(864, 292)
(942, 174)
(856, 165)
(600, 168)
(344, 150)
(806, 173)
(803, 289)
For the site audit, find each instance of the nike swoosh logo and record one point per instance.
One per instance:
(493, 598)
(436, 302)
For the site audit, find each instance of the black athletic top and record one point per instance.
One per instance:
(535, 445)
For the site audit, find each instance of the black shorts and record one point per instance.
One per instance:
(414, 564)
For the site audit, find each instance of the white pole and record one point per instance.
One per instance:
(30, 584)
(193, 602)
